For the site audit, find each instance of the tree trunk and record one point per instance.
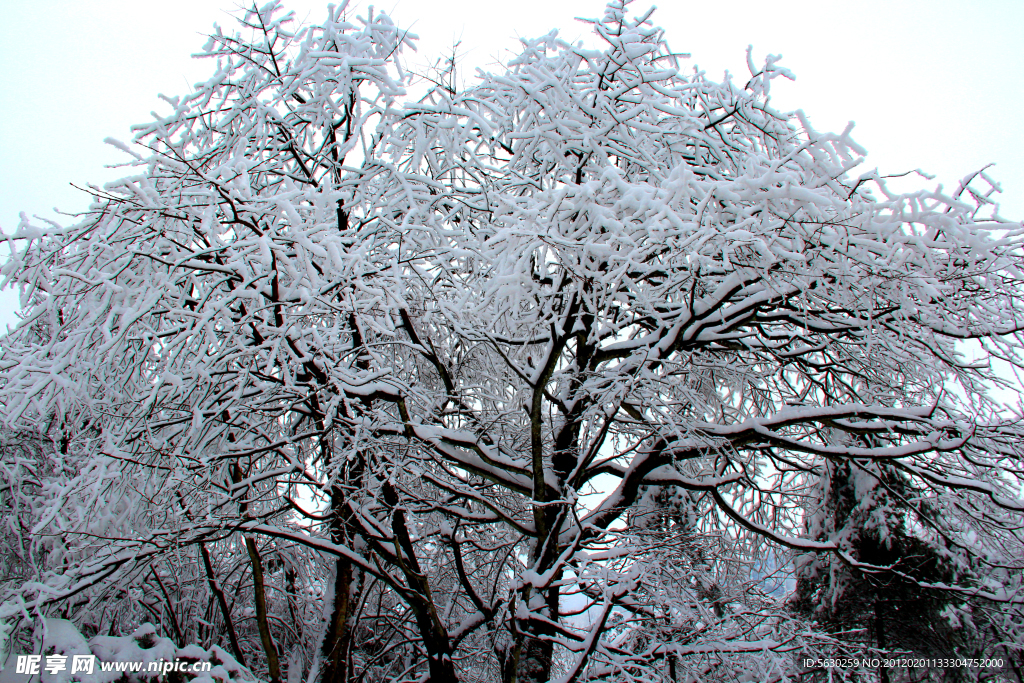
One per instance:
(336, 648)
(262, 622)
(229, 624)
(337, 645)
(259, 589)
(441, 668)
(535, 662)
(537, 655)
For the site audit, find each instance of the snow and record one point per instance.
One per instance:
(62, 637)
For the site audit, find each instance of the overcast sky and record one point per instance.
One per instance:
(936, 85)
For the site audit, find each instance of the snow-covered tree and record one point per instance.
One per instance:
(894, 609)
(531, 382)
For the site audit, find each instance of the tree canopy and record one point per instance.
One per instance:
(553, 378)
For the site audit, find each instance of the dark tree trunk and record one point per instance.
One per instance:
(259, 589)
(441, 668)
(337, 643)
(229, 624)
(537, 655)
(262, 616)
(535, 662)
(336, 649)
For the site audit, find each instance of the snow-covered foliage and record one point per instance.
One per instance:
(142, 648)
(536, 381)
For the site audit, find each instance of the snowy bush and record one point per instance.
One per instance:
(142, 648)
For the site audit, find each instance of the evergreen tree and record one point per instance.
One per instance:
(893, 602)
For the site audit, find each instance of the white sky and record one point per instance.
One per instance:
(931, 84)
